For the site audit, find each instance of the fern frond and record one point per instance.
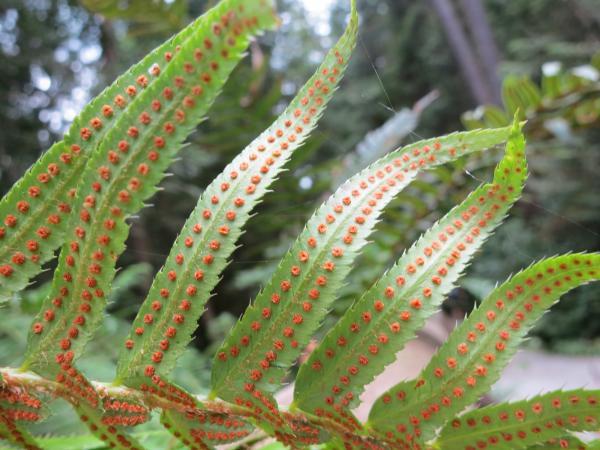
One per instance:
(159, 439)
(19, 405)
(168, 317)
(475, 353)
(14, 434)
(202, 430)
(276, 327)
(519, 425)
(35, 212)
(125, 169)
(111, 435)
(86, 401)
(66, 442)
(378, 325)
(185, 431)
(119, 409)
(565, 442)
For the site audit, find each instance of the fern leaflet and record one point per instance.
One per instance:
(376, 327)
(522, 424)
(124, 171)
(471, 360)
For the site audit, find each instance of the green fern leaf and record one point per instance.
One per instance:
(14, 434)
(86, 402)
(167, 319)
(471, 360)
(202, 430)
(124, 171)
(112, 436)
(377, 326)
(155, 439)
(561, 443)
(84, 398)
(522, 424)
(565, 442)
(520, 95)
(35, 212)
(280, 322)
(119, 409)
(185, 431)
(67, 442)
(21, 406)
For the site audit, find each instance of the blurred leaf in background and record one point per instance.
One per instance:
(146, 16)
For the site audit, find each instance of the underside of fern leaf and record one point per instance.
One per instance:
(113, 436)
(204, 429)
(17, 407)
(520, 425)
(564, 442)
(122, 172)
(84, 190)
(165, 322)
(35, 213)
(376, 327)
(276, 327)
(472, 359)
(10, 431)
(125, 169)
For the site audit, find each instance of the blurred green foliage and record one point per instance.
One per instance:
(146, 16)
(48, 61)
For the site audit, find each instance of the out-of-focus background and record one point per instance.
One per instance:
(420, 69)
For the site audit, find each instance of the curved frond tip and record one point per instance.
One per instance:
(378, 325)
